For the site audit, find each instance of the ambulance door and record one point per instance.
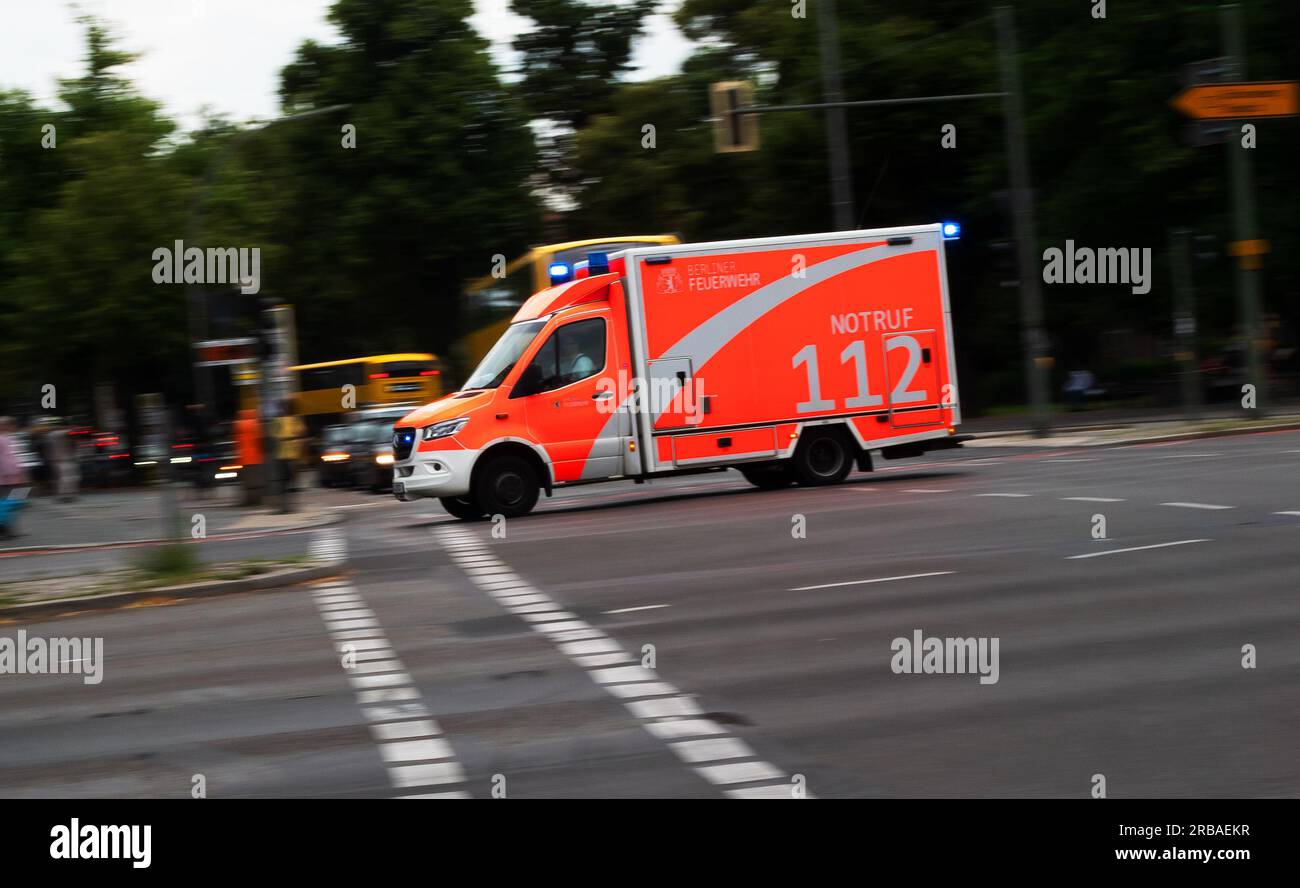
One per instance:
(572, 410)
(912, 378)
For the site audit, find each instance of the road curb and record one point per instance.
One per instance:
(1146, 439)
(274, 580)
(324, 521)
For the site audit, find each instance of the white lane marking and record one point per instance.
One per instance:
(426, 749)
(1133, 549)
(644, 607)
(1092, 499)
(405, 730)
(937, 573)
(1292, 514)
(328, 545)
(409, 740)
(662, 709)
(1196, 506)
(1006, 495)
(927, 490)
(1073, 459)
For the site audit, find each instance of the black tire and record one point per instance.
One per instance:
(823, 457)
(461, 507)
(507, 485)
(769, 477)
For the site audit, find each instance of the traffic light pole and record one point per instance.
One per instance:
(837, 138)
(1033, 338)
(1245, 227)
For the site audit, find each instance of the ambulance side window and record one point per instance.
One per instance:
(581, 350)
(571, 353)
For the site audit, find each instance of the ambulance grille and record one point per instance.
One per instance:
(403, 441)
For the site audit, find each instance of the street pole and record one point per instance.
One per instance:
(837, 137)
(196, 299)
(1180, 266)
(1245, 227)
(1033, 338)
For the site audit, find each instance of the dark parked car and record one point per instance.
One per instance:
(334, 460)
(372, 455)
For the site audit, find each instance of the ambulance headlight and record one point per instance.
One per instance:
(951, 230)
(443, 429)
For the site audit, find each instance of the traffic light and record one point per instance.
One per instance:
(733, 133)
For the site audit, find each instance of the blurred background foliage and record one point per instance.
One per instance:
(457, 161)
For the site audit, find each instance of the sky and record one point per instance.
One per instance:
(227, 54)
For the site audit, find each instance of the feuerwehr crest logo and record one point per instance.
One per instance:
(668, 282)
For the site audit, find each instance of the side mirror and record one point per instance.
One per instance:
(530, 382)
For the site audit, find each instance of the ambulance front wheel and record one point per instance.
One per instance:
(822, 457)
(462, 507)
(507, 485)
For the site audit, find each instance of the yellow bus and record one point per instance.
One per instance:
(379, 380)
(525, 276)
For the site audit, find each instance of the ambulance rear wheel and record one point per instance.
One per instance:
(769, 477)
(461, 507)
(507, 486)
(822, 458)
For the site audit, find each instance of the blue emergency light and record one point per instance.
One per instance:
(951, 230)
(559, 272)
(597, 263)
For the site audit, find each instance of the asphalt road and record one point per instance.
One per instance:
(511, 665)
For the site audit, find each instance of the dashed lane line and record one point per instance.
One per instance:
(1134, 549)
(1006, 495)
(1210, 506)
(1092, 499)
(630, 610)
(936, 573)
(667, 713)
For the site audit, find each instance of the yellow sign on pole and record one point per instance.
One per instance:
(1236, 101)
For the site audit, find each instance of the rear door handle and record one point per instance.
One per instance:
(602, 395)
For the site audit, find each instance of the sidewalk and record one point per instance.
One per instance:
(1084, 430)
(99, 518)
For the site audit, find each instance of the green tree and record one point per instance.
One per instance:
(80, 297)
(377, 239)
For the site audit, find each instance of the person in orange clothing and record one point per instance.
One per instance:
(248, 441)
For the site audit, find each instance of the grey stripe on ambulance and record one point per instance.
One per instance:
(710, 337)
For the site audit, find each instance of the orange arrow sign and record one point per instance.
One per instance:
(1231, 101)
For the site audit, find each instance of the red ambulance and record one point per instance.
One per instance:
(787, 358)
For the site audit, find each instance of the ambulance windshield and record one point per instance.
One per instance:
(496, 364)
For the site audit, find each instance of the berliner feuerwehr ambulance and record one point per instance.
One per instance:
(787, 358)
